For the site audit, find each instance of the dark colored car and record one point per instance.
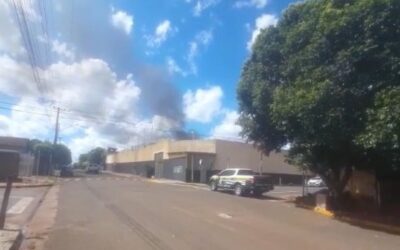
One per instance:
(66, 172)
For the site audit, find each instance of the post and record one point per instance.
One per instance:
(304, 182)
(56, 127)
(192, 159)
(38, 163)
(4, 204)
(192, 163)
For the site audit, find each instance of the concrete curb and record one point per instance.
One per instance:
(29, 185)
(178, 183)
(120, 174)
(369, 224)
(358, 222)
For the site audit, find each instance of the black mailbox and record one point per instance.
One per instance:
(9, 163)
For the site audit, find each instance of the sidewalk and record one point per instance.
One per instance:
(10, 239)
(120, 174)
(33, 181)
(201, 186)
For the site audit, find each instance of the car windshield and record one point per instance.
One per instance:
(245, 172)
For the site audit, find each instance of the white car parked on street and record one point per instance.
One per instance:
(315, 182)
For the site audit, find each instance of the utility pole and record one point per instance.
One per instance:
(192, 158)
(57, 126)
(37, 163)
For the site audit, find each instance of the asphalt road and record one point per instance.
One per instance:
(128, 213)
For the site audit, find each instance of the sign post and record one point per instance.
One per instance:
(9, 164)
(4, 204)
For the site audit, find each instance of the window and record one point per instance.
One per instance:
(245, 172)
(227, 173)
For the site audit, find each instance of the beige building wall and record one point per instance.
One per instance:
(171, 149)
(228, 154)
(244, 155)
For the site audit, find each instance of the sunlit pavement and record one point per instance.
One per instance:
(128, 213)
(22, 204)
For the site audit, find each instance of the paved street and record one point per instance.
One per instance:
(130, 213)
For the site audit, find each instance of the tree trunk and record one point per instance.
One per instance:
(336, 182)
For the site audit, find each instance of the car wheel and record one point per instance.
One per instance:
(257, 193)
(238, 190)
(213, 186)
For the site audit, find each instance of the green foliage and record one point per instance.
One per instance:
(49, 155)
(83, 158)
(61, 155)
(325, 80)
(97, 156)
(94, 156)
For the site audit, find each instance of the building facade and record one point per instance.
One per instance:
(197, 160)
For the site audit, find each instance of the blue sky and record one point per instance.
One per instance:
(125, 72)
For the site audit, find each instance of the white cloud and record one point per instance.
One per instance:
(262, 22)
(228, 129)
(203, 104)
(193, 51)
(62, 50)
(251, 3)
(92, 97)
(161, 33)
(174, 68)
(122, 20)
(98, 106)
(10, 40)
(203, 38)
(202, 5)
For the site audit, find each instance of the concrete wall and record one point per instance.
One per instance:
(169, 147)
(14, 143)
(26, 164)
(200, 146)
(243, 155)
(214, 155)
(175, 169)
(145, 169)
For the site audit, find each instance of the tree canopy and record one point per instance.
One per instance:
(94, 156)
(326, 80)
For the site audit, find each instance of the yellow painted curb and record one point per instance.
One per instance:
(324, 212)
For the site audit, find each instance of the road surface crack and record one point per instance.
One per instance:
(151, 239)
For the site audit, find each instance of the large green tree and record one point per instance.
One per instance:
(97, 156)
(94, 156)
(322, 80)
(48, 154)
(61, 155)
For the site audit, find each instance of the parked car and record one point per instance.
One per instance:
(93, 169)
(242, 181)
(315, 182)
(66, 171)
